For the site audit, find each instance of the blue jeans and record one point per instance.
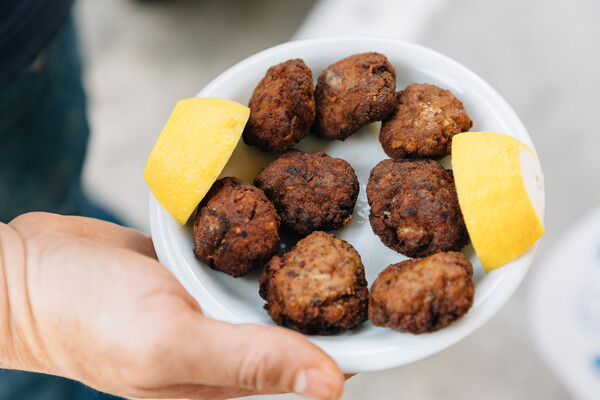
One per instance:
(43, 139)
(44, 133)
(18, 385)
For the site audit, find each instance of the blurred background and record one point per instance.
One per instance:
(543, 57)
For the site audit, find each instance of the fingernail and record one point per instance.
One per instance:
(315, 384)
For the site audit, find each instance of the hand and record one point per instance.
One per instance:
(89, 301)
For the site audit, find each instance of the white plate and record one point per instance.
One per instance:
(366, 348)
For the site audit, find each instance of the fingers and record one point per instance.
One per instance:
(262, 359)
(96, 230)
(189, 354)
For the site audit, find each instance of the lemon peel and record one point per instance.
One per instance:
(499, 187)
(191, 152)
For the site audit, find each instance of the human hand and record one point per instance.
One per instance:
(88, 300)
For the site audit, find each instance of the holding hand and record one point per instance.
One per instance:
(87, 300)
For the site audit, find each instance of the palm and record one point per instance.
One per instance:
(106, 313)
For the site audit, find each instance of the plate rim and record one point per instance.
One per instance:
(512, 274)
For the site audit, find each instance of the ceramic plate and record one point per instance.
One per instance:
(367, 348)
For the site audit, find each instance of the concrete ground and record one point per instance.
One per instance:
(543, 57)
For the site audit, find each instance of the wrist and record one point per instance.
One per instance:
(20, 347)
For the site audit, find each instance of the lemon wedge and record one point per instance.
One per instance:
(191, 152)
(500, 192)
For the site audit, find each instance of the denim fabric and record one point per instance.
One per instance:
(43, 138)
(43, 133)
(26, 27)
(18, 385)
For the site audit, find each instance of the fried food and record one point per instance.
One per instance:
(310, 191)
(414, 207)
(423, 123)
(422, 295)
(282, 107)
(352, 93)
(236, 227)
(318, 287)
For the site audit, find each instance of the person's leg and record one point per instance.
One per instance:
(44, 133)
(43, 138)
(29, 386)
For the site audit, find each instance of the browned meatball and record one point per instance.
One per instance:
(282, 107)
(236, 227)
(414, 207)
(424, 294)
(311, 191)
(352, 93)
(423, 123)
(318, 287)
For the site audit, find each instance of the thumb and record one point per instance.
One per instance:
(265, 359)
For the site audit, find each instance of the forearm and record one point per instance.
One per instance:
(20, 348)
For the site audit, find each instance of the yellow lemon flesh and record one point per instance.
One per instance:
(191, 152)
(500, 193)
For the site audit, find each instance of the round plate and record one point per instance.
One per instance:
(366, 348)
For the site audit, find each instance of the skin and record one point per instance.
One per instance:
(88, 300)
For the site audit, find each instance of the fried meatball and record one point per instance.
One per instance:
(352, 93)
(236, 227)
(414, 207)
(318, 287)
(311, 191)
(282, 107)
(422, 295)
(425, 119)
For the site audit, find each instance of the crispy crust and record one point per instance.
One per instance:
(318, 287)
(414, 207)
(352, 93)
(422, 295)
(423, 123)
(311, 191)
(282, 107)
(236, 228)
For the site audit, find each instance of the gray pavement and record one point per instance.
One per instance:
(543, 57)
